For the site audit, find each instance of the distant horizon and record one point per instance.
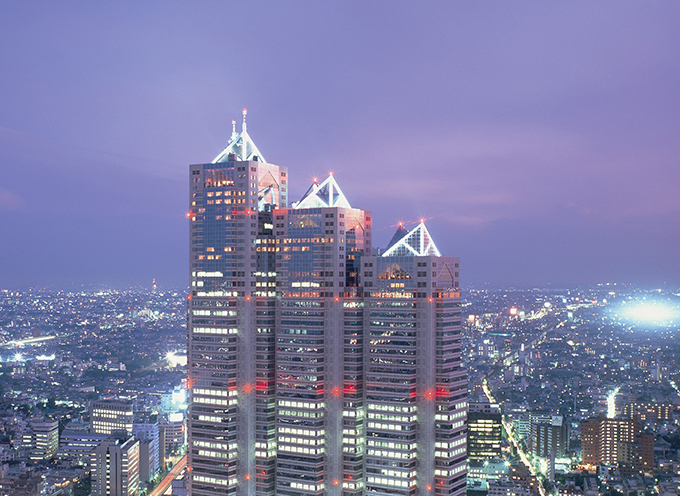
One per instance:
(475, 287)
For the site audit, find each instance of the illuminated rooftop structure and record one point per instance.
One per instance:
(416, 243)
(326, 194)
(240, 145)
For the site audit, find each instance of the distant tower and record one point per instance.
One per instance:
(153, 285)
(317, 365)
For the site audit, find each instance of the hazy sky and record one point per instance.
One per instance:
(540, 139)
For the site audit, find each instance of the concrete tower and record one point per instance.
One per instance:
(317, 365)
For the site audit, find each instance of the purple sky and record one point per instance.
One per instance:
(541, 139)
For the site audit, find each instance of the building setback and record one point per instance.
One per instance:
(317, 364)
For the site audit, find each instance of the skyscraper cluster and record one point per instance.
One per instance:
(317, 364)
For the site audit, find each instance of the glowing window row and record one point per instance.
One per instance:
(301, 404)
(206, 444)
(213, 401)
(298, 449)
(211, 480)
(217, 293)
(451, 472)
(390, 427)
(216, 392)
(390, 408)
(219, 313)
(450, 445)
(215, 330)
(217, 454)
(449, 417)
(301, 440)
(306, 487)
(298, 432)
(295, 413)
(449, 454)
(387, 482)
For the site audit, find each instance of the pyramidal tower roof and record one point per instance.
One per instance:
(414, 243)
(240, 145)
(398, 234)
(326, 194)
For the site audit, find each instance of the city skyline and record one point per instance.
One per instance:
(556, 126)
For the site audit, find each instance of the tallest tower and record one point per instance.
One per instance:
(317, 364)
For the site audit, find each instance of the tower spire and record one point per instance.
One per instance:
(233, 129)
(244, 128)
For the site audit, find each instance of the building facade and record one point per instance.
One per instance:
(552, 438)
(148, 434)
(109, 416)
(617, 442)
(42, 438)
(317, 365)
(485, 430)
(114, 467)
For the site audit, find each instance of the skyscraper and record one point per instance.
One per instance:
(317, 364)
(485, 429)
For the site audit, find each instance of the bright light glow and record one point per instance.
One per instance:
(18, 357)
(176, 358)
(611, 403)
(176, 417)
(650, 312)
(513, 311)
(46, 357)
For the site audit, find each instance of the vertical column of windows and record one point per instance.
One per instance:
(300, 408)
(391, 398)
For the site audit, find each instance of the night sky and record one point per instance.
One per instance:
(541, 140)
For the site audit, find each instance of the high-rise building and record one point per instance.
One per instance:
(114, 467)
(617, 441)
(552, 438)
(485, 431)
(172, 436)
(148, 434)
(317, 364)
(109, 416)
